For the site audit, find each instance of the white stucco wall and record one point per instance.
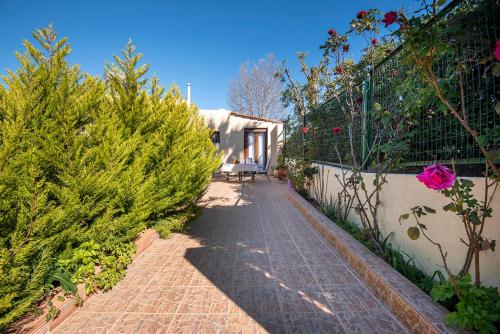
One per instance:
(402, 192)
(232, 128)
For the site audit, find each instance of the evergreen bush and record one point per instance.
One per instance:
(85, 160)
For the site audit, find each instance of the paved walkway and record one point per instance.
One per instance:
(251, 264)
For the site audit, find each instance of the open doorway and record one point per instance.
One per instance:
(255, 147)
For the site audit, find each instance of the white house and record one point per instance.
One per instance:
(245, 138)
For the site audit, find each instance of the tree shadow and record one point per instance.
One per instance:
(241, 257)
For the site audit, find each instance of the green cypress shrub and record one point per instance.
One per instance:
(85, 165)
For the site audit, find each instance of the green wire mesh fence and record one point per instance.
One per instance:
(438, 137)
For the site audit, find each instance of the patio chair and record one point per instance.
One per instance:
(266, 170)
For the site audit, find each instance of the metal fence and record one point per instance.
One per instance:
(438, 137)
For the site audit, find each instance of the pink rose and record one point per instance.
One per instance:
(497, 50)
(437, 177)
(304, 130)
(375, 41)
(332, 32)
(389, 18)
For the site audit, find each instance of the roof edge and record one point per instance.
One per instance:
(256, 118)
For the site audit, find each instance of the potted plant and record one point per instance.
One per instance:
(280, 169)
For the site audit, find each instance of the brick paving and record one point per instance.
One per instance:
(251, 264)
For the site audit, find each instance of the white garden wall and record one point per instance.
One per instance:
(403, 192)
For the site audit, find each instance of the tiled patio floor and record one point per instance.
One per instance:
(251, 264)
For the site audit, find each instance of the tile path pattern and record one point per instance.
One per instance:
(251, 264)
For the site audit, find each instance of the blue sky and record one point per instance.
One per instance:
(203, 42)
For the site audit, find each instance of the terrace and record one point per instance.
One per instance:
(251, 263)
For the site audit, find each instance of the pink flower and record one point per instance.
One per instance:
(497, 49)
(437, 177)
(339, 69)
(304, 130)
(361, 14)
(345, 48)
(389, 18)
(336, 130)
(332, 32)
(374, 41)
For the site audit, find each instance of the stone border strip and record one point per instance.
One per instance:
(66, 308)
(407, 302)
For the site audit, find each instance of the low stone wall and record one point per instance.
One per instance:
(404, 191)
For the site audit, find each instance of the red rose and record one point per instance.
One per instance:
(339, 69)
(345, 48)
(336, 130)
(375, 41)
(332, 32)
(389, 18)
(361, 14)
(304, 130)
(497, 49)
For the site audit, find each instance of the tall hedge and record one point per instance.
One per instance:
(84, 160)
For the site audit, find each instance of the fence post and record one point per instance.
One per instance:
(366, 124)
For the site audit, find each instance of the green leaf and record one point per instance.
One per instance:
(413, 233)
(496, 70)
(429, 210)
(64, 279)
(450, 207)
(441, 2)
(404, 217)
(474, 218)
(377, 106)
(467, 183)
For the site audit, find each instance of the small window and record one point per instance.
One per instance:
(216, 138)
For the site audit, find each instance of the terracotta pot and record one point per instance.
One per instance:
(282, 173)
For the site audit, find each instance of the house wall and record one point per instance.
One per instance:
(402, 192)
(232, 128)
